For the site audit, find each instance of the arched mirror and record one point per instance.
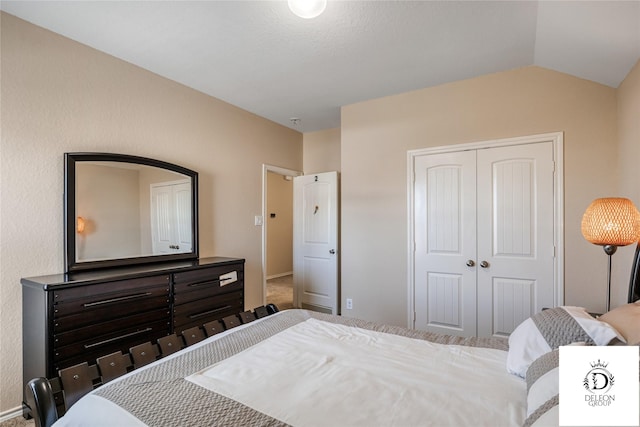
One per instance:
(122, 210)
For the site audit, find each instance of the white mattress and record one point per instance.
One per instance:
(324, 374)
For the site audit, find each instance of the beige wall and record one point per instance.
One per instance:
(60, 96)
(629, 159)
(375, 138)
(321, 151)
(279, 228)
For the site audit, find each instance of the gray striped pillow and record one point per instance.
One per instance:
(550, 329)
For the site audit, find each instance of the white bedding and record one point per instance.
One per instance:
(316, 373)
(94, 411)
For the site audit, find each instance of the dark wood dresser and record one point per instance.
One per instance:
(77, 317)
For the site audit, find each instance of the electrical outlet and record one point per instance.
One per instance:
(349, 303)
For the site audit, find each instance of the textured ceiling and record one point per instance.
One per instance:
(260, 57)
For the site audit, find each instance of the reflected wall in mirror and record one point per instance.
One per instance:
(121, 210)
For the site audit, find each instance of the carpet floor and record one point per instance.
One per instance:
(17, 422)
(280, 292)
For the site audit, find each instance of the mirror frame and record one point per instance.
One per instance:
(70, 160)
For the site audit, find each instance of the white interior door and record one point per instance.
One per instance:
(484, 233)
(315, 242)
(182, 197)
(515, 208)
(161, 219)
(445, 242)
(171, 217)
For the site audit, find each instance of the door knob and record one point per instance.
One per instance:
(332, 251)
(484, 264)
(470, 263)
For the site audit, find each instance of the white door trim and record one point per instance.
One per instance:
(280, 171)
(557, 139)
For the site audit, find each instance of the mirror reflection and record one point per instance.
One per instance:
(127, 210)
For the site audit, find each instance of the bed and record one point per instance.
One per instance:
(303, 368)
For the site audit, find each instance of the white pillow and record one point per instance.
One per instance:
(550, 329)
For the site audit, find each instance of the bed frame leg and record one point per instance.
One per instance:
(39, 396)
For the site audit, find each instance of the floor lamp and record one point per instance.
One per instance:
(611, 222)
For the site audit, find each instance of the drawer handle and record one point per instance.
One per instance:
(110, 340)
(205, 313)
(207, 283)
(119, 299)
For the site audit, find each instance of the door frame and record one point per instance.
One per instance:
(557, 139)
(280, 171)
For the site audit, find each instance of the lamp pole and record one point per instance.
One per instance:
(609, 250)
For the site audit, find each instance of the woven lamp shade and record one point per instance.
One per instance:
(611, 221)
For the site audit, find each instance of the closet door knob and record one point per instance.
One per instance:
(470, 263)
(484, 264)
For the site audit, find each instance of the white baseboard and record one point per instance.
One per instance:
(275, 276)
(11, 413)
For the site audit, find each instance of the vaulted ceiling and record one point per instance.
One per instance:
(260, 57)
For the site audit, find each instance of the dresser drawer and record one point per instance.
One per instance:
(107, 343)
(111, 313)
(114, 304)
(197, 312)
(81, 333)
(106, 288)
(205, 292)
(209, 279)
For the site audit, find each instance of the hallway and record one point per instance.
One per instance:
(280, 292)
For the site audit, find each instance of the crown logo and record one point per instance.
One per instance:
(599, 364)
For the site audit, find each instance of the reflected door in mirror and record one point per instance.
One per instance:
(171, 217)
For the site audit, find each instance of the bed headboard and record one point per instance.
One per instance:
(634, 284)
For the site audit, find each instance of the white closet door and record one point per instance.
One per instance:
(162, 218)
(484, 254)
(515, 235)
(171, 218)
(182, 196)
(445, 241)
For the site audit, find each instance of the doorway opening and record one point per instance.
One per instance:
(277, 236)
(280, 291)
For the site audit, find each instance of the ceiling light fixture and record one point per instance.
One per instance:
(307, 9)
